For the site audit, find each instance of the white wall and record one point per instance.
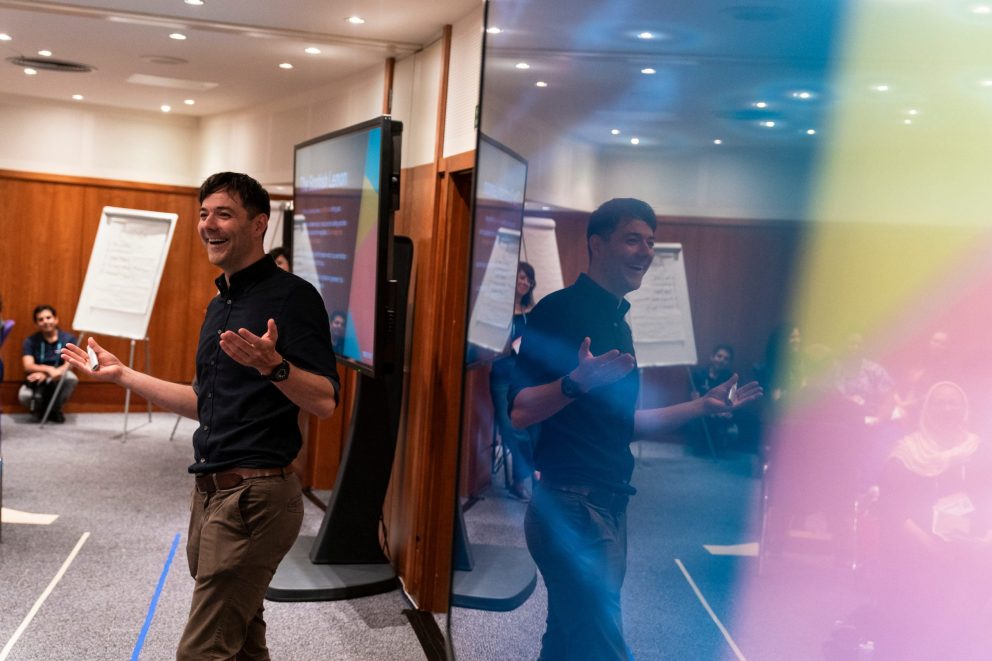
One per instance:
(464, 77)
(760, 184)
(94, 141)
(260, 140)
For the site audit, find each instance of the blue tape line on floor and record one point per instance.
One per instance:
(151, 607)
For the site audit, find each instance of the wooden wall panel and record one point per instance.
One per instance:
(49, 225)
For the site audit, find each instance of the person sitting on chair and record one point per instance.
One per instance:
(44, 367)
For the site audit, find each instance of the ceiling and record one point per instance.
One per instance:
(231, 55)
(724, 69)
(711, 64)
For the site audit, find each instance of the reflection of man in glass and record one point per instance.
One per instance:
(575, 375)
(338, 323)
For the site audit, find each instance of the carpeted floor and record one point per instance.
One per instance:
(130, 500)
(125, 502)
(683, 502)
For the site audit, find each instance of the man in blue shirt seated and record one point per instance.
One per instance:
(44, 367)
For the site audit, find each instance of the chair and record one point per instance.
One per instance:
(812, 464)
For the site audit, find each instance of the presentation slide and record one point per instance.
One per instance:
(336, 230)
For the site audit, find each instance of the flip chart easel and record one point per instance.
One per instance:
(122, 279)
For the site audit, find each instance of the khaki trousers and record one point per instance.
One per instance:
(237, 537)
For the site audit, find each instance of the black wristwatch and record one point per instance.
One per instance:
(280, 373)
(570, 388)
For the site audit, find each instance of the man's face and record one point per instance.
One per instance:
(624, 257)
(232, 238)
(46, 321)
(720, 360)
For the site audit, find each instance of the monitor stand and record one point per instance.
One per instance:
(345, 559)
(489, 577)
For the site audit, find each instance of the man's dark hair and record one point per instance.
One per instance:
(339, 313)
(527, 299)
(254, 198)
(729, 348)
(609, 215)
(278, 252)
(41, 308)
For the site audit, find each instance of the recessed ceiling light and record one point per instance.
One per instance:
(718, 141)
(30, 72)
(540, 83)
(760, 104)
(77, 97)
(648, 71)
(981, 9)
(768, 124)
(189, 102)
(166, 108)
(615, 131)
(45, 53)
(635, 141)
(987, 83)
(494, 30)
(907, 121)
(195, 3)
(5, 37)
(802, 94)
(645, 35)
(913, 111)
(285, 65)
(522, 65)
(178, 36)
(312, 50)
(810, 131)
(880, 88)
(355, 20)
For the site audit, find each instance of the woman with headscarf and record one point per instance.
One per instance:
(936, 537)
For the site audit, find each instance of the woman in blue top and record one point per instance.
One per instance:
(519, 443)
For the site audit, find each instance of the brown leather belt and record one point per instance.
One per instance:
(211, 482)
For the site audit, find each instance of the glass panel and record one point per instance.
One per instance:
(817, 170)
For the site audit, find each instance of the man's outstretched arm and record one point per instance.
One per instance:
(175, 397)
(722, 399)
(538, 403)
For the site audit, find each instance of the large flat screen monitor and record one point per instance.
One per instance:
(498, 216)
(345, 190)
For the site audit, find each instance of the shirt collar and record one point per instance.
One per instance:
(247, 276)
(600, 297)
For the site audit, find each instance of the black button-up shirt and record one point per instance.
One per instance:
(588, 441)
(245, 420)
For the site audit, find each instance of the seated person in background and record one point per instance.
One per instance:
(339, 322)
(864, 382)
(702, 379)
(44, 367)
(935, 518)
(935, 365)
(282, 258)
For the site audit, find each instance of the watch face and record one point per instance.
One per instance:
(568, 387)
(280, 373)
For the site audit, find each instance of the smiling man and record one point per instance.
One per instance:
(575, 375)
(264, 354)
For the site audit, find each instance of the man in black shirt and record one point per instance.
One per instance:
(575, 376)
(264, 354)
